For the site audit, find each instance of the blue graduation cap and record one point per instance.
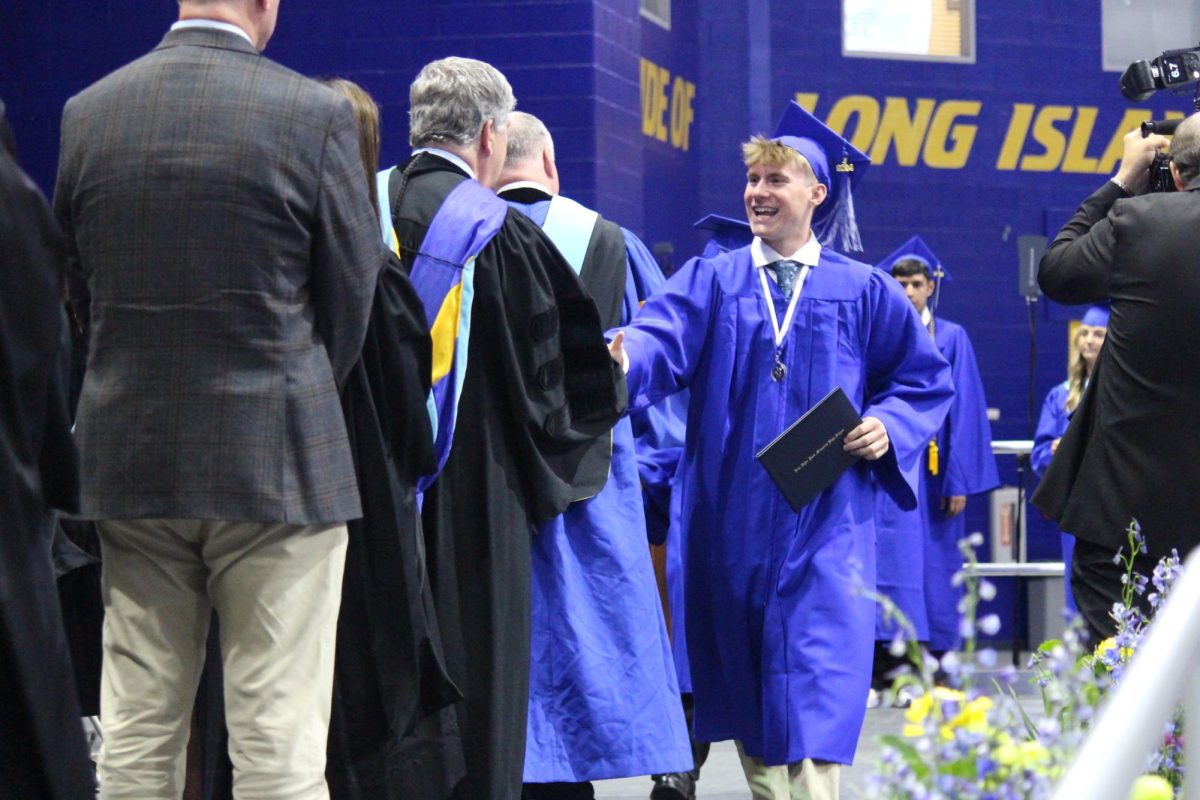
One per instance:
(727, 234)
(837, 164)
(1096, 316)
(916, 249)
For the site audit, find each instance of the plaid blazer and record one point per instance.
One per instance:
(225, 254)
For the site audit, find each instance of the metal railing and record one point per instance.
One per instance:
(1162, 673)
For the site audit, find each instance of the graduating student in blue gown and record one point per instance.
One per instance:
(1058, 406)
(603, 700)
(958, 463)
(779, 637)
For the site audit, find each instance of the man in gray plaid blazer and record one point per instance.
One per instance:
(225, 252)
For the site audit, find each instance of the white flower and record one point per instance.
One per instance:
(989, 625)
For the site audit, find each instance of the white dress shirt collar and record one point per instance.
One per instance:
(763, 254)
(216, 24)
(508, 187)
(451, 157)
(926, 316)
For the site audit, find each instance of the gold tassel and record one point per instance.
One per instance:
(933, 456)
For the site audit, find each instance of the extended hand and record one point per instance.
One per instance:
(868, 440)
(954, 505)
(616, 349)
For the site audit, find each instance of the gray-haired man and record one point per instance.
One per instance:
(525, 402)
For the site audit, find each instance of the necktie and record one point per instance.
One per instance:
(785, 272)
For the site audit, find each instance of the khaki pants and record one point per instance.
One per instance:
(803, 780)
(276, 589)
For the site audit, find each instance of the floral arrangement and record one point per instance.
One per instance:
(964, 741)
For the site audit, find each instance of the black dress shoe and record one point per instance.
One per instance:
(673, 786)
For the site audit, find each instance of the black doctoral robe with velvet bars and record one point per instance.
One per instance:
(540, 397)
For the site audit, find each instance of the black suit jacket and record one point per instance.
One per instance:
(1132, 448)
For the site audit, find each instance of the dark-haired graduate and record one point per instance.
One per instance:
(958, 463)
(525, 398)
(779, 635)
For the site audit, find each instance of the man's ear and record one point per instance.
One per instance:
(1180, 183)
(487, 138)
(548, 164)
(820, 192)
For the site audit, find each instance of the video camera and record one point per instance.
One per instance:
(1174, 69)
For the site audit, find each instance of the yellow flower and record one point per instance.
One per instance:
(1106, 648)
(1026, 755)
(1151, 787)
(971, 715)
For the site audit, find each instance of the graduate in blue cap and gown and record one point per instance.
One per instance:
(1058, 406)
(779, 634)
(958, 463)
(603, 699)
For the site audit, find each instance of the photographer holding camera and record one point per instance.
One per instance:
(1127, 453)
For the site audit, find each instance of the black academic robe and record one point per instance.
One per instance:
(42, 750)
(530, 439)
(390, 671)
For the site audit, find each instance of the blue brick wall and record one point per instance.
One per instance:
(577, 64)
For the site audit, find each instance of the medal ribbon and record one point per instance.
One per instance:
(781, 331)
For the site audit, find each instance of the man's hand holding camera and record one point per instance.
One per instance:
(1134, 174)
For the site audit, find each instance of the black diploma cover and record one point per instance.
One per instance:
(808, 456)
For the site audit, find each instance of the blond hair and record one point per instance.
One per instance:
(762, 151)
(1077, 373)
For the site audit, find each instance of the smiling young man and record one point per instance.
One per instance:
(779, 639)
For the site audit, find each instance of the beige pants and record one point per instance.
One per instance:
(803, 780)
(276, 589)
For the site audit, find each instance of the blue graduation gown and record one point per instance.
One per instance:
(900, 542)
(779, 641)
(1052, 424)
(603, 699)
(966, 466)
